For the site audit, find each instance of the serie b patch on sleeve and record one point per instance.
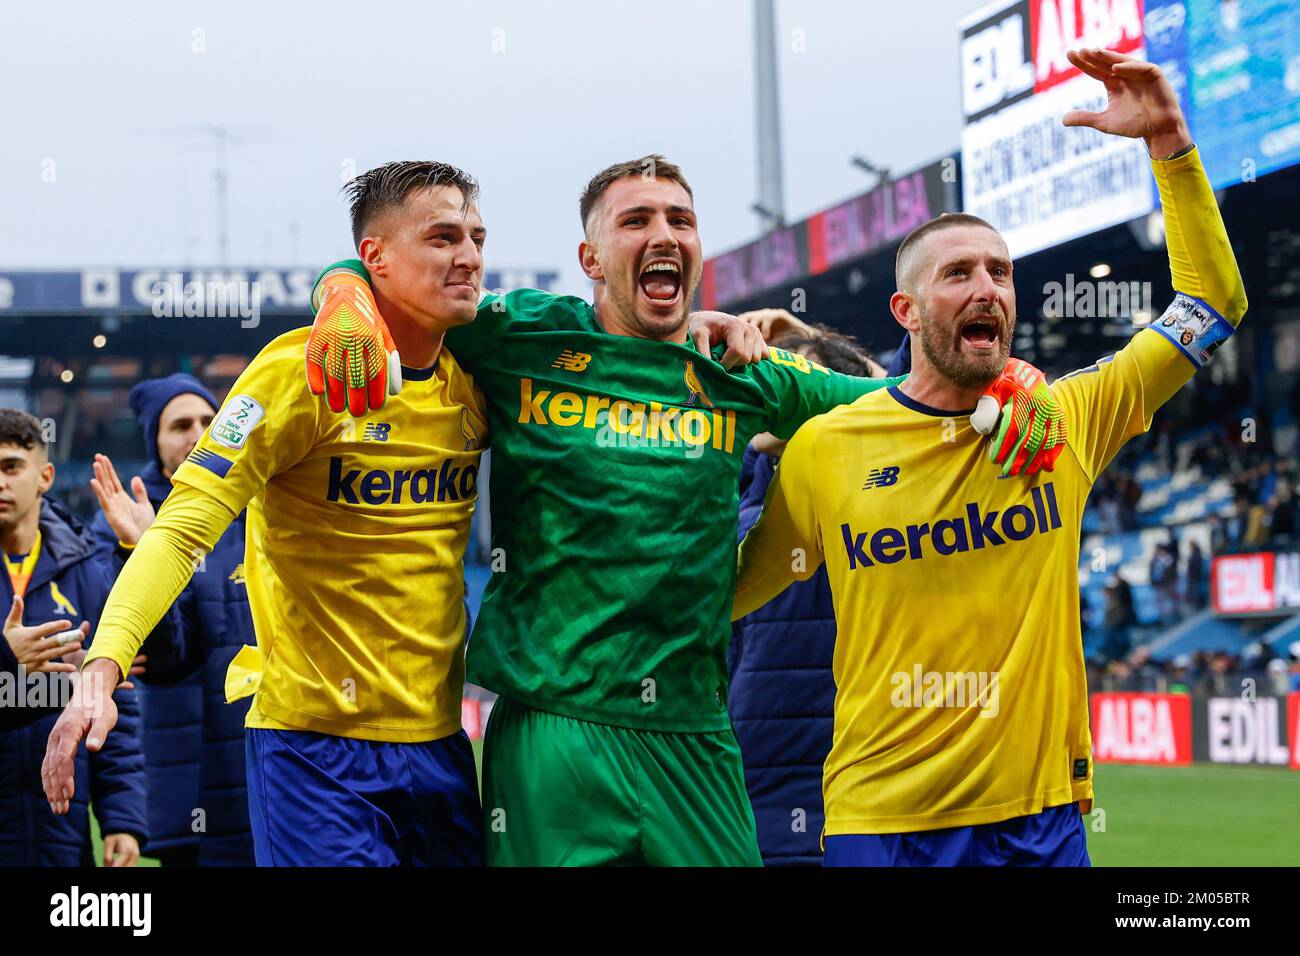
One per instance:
(1194, 327)
(236, 422)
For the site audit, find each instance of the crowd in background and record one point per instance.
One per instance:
(1215, 431)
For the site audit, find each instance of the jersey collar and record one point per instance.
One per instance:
(909, 402)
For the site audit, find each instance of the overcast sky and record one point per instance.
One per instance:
(110, 101)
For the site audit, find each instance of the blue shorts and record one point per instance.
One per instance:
(320, 800)
(1054, 837)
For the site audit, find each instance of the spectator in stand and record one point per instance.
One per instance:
(51, 575)
(1235, 527)
(1279, 678)
(1119, 620)
(1195, 580)
(1130, 495)
(1282, 517)
(1164, 579)
(1180, 675)
(1145, 674)
(194, 740)
(782, 694)
(1217, 681)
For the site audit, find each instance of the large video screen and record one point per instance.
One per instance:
(1238, 63)
(1234, 63)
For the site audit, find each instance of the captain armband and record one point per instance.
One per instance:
(1194, 327)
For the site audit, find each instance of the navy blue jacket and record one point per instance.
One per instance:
(782, 698)
(113, 779)
(194, 740)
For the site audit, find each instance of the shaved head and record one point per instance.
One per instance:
(916, 252)
(957, 300)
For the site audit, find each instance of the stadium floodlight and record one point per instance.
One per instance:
(771, 181)
(867, 166)
(771, 218)
(1100, 270)
(99, 341)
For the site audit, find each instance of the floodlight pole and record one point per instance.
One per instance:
(771, 195)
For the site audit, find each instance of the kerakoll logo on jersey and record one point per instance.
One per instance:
(654, 421)
(953, 535)
(379, 487)
(237, 420)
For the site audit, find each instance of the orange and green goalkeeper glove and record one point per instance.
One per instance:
(1031, 429)
(351, 358)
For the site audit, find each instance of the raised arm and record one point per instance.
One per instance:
(1111, 401)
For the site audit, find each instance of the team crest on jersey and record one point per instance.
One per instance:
(376, 431)
(696, 389)
(61, 602)
(881, 477)
(572, 361)
(236, 421)
(472, 440)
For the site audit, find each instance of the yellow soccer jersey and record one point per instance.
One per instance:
(356, 538)
(961, 697)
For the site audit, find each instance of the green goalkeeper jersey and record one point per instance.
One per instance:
(614, 489)
(614, 477)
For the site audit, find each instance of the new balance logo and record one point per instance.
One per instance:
(972, 531)
(376, 431)
(881, 477)
(572, 361)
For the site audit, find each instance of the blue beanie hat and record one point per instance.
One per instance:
(150, 397)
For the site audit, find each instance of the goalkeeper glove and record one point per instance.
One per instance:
(1031, 429)
(351, 358)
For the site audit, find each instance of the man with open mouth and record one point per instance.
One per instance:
(961, 710)
(617, 440)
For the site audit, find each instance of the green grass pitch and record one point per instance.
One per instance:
(1203, 815)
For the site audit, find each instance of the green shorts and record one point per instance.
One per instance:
(558, 791)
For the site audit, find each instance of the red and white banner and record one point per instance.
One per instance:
(1037, 182)
(1255, 583)
(1142, 728)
